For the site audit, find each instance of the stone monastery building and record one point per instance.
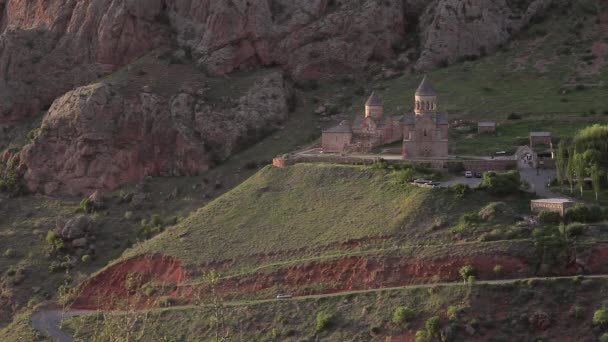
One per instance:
(424, 132)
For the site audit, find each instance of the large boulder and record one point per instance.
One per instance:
(74, 228)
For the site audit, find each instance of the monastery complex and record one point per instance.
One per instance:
(424, 132)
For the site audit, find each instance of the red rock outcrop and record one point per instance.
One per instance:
(48, 47)
(97, 138)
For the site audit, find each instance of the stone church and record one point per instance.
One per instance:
(366, 132)
(424, 132)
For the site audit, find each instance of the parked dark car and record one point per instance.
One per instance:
(421, 181)
(433, 183)
(478, 174)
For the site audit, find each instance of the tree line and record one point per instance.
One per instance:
(583, 157)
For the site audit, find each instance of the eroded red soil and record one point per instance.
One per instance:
(115, 287)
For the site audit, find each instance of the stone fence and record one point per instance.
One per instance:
(468, 165)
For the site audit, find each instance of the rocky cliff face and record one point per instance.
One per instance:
(454, 29)
(96, 138)
(48, 47)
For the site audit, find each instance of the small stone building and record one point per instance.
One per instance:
(337, 138)
(486, 127)
(540, 138)
(556, 205)
(366, 132)
(425, 132)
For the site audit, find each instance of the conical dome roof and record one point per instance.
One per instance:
(373, 100)
(425, 88)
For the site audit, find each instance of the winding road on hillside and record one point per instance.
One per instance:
(47, 321)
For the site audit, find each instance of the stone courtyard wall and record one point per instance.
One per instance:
(469, 165)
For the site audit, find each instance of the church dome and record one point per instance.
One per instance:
(425, 88)
(373, 100)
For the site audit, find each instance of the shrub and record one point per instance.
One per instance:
(453, 313)
(432, 326)
(422, 336)
(471, 280)
(514, 116)
(582, 213)
(503, 183)
(578, 312)
(323, 320)
(54, 267)
(166, 301)
(600, 317)
(466, 271)
(491, 210)
(403, 314)
(498, 269)
(86, 205)
(549, 217)
(149, 228)
(128, 215)
(604, 337)
(10, 253)
(573, 229)
(461, 189)
(85, 258)
(54, 241)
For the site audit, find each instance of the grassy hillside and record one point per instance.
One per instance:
(307, 207)
(531, 310)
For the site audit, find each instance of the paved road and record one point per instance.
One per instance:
(538, 182)
(47, 322)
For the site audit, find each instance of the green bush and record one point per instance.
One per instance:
(166, 301)
(600, 317)
(498, 269)
(573, 229)
(86, 205)
(54, 241)
(85, 258)
(461, 189)
(453, 313)
(492, 210)
(549, 217)
(466, 271)
(578, 312)
(432, 326)
(151, 227)
(604, 337)
(323, 320)
(582, 213)
(503, 183)
(403, 314)
(10, 253)
(422, 336)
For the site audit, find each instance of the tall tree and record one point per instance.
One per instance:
(560, 163)
(580, 168)
(570, 168)
(596, 174)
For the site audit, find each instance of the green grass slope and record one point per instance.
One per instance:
(297, 207)
(308, 207)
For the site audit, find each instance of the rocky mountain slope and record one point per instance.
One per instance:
(50, 47)
(97, 137)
